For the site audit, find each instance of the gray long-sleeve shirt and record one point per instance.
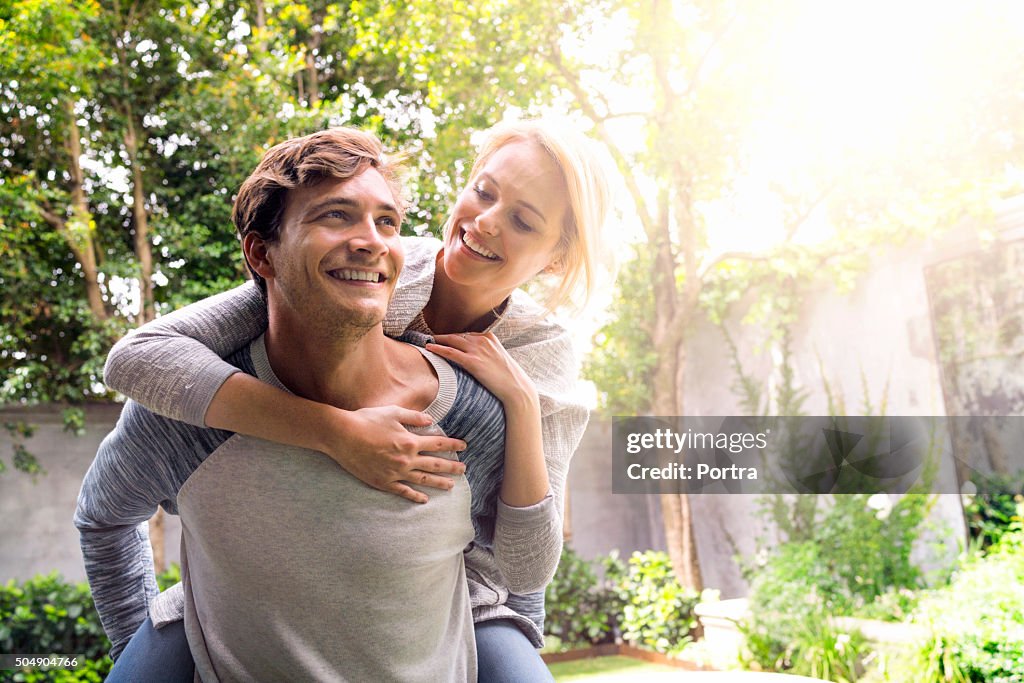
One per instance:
(319, 577)
(147, 458)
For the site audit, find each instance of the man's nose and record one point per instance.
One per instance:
(368, 238)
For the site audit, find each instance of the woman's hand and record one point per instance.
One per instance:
(483, 356)
(374, 446)
(371, 444)
(525, 481)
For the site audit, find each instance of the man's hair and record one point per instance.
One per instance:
(340, 153)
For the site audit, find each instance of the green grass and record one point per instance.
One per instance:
(582, 669)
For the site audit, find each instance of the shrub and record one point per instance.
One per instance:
(657, 611)
(856, 562)
(581, 609)
(47, 615)
(990, 514)
(789, 628)
(641, 600)
(976, 623)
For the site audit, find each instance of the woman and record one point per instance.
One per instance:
(533, 204)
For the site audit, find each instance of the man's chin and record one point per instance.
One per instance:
(348, 323)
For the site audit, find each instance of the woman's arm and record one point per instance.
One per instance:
(528, 530)
(525, 480)
(173, 366)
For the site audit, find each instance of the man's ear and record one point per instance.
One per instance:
(257, 253)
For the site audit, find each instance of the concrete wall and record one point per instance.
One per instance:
(36, 532)
(599, 521)
(875, 340)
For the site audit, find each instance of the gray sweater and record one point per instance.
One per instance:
(319, 577)
(174, 366)
(149, 460)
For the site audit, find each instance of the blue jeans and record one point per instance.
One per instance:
(155, 655)
(504, 655)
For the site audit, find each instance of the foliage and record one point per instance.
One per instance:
(976, 623)
(622, 361)
(990, 515)
(657, 611)
(856, 562)
(168, 578)
(171, 103)
(580, 608)
(639, 599)
(47, 615)
(23, 459)
(789, 629)
(979, 328)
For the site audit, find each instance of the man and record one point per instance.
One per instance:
(291, 568)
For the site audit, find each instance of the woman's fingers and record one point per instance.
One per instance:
(456, 340)
(449, 352)
(430, 463)
(406, 491)
(413, 418)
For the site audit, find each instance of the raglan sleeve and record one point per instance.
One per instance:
(127, 481)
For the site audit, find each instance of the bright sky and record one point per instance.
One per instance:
(874, 79)
(869, 79)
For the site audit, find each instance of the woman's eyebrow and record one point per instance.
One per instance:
(525, 204)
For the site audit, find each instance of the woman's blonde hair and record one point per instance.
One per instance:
(588, 200)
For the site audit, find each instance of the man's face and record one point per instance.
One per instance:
(339, 254)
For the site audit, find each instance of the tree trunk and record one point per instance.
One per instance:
(675, 507)
(79, 235)
(143, 250)
(259, 14)
(671, 313)
(316, 36)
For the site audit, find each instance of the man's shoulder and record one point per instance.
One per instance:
(473, 399)
(141, 430)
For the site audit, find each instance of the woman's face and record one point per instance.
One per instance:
(507, 224)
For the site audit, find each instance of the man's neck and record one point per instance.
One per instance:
(349, 372)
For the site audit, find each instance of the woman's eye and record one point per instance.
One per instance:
(482, 193)
(522, 225)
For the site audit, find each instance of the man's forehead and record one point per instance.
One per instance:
(367, 189)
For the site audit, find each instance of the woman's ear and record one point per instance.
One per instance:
(556, 267)
(257, 254)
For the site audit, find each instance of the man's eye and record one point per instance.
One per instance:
(340, 215)
(389, 221)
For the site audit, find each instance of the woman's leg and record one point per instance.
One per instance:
(505, 655)
(155, 655)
